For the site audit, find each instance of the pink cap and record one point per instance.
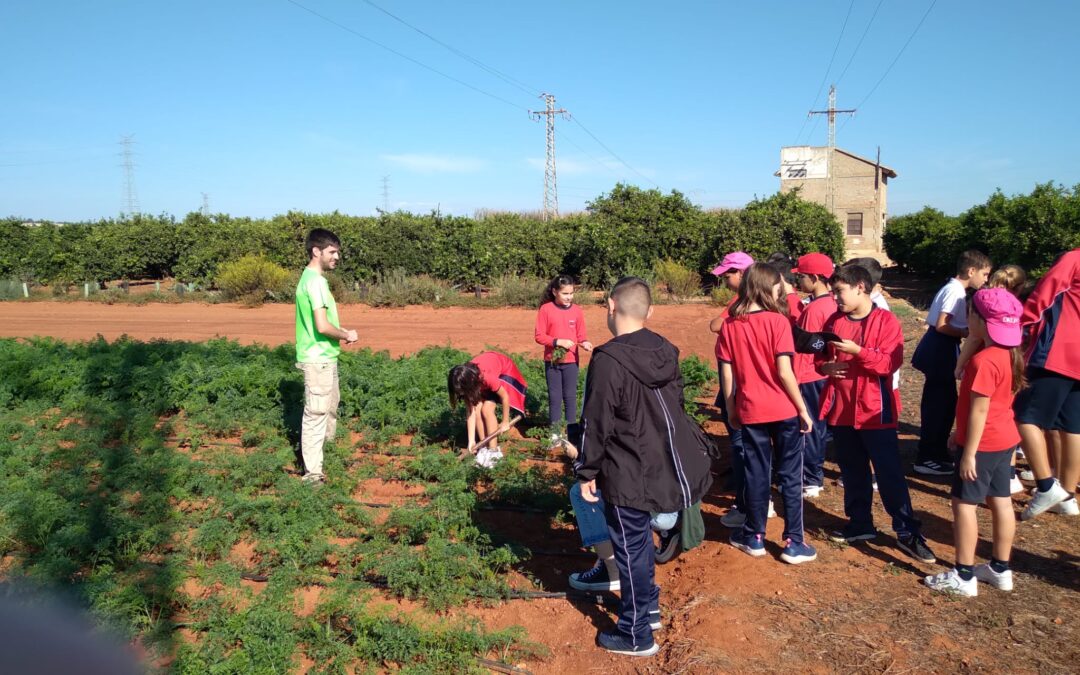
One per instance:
(1001, 311)
(733, 261)
(814, 263)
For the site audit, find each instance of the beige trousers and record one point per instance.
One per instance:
(321, 398)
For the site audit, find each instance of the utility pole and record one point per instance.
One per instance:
(131, 199)
(386, 194)
(205, 209)
(551, 191)
(832, 112)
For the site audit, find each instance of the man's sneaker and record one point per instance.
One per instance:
(873, 482)
(812, 491)
(1044, 500)
(668, 548)
(1069, 507)
(654, 619)
(487, 457)
(314, 478)
(751, 544)
(1000, 580)
(617, 643)
(850, 537)
(733, 518)
(1015, 486)
(595, 579)
(1027, 474)
(950, 582)
(933, 468)
(796, 553)
(915, 546)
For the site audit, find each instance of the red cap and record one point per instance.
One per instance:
(814, 263)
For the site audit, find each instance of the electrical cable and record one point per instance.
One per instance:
(828, 68)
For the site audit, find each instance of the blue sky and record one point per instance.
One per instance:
(266, 107)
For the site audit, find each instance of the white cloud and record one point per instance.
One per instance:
(436, 163)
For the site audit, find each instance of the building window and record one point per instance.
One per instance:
(854, 224)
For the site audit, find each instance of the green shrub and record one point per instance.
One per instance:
(680, 281)
(519, 291)
(253, 280)
(398, 288)
(721, 295)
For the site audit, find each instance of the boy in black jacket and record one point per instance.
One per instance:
(642, 452)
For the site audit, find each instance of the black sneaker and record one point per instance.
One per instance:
(595, 579)
(934, 468)
(668, 548)
(850, 536)
(915, 546)
(617, 643)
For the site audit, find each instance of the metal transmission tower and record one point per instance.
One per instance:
(205, 209)
(386, 194)
(131, 198)
(832, 112)
(551, 190)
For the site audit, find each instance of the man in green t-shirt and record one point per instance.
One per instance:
(318, 333)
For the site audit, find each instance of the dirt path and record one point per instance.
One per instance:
(399, 331)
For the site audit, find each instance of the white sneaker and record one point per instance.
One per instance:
(487, 457)
(772, 510)
(1020, 453)
(1002, 581)
(950, 582)
(812, 491)
(1044, 500)
(733, 518)
(1015, 486)
(1068, 507)
(1027, 475)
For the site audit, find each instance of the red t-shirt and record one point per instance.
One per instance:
(989, 373)
(555, 322)
(497, 372)
(794, 306)
(751, 343)
(814, 315)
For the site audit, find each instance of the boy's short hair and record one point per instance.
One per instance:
(972, 258)
(632, 297)
(782, 263)
(871, 265)
(320, 239)
(853, 275)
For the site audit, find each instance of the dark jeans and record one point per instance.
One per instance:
(814, 447)
(758, 442)
(635, 556)
(855, 450)
(935, 357)
(562, 391)
(737, 482)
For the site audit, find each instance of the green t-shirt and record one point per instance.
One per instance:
(311, 293)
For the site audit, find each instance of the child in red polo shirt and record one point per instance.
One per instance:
(862, 410)
(560, 328)
(814, 271)
(756, 346)
(489, 379)
(986, 430)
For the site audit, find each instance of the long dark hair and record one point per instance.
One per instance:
(463, 384)
(554, 285)
(757, 289)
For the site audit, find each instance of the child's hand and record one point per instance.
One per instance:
(587, 346)
(588, 492)
(806, 422)
(837, 369)
(846, 347)
(967, 467)
(564, 343)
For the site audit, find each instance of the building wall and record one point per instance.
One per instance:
(853, 181)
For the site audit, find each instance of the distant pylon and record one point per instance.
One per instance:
(386, 193)
(551, 190)
(205, 209)
(832, 112)
(131, 198)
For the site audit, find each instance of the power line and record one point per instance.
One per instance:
(867, 30)
(612, 152)
(828, 68)
(404, 56)
(476, 62)
(551, 190)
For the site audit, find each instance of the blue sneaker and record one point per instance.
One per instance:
(748, 543)
(799, 552)
(617, 643)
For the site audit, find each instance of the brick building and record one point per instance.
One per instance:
(859, 185)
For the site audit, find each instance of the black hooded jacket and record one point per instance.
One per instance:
(637, 441)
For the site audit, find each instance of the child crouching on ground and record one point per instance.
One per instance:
(986, 430)
(862, 409)
(641, 450)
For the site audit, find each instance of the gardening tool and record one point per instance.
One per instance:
(485, 439)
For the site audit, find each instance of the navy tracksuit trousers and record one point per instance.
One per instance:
(737, 483)
(758, 442)
(814, 442)
(936, 357)
(855, 450)
(635, 556)
(562, 380)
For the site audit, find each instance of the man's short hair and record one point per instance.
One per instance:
(632, 297)
(782, 263)
(853, 275)
(320, 239)
(972, 258)
(871, 265)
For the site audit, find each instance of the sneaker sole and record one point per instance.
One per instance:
(626, 652)
(926, 471)
(797, 559)
(993, 583)
(608, 586)
(956, 592)
(911, 554)
(755, 552)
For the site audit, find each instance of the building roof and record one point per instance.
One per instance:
(884, 169)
